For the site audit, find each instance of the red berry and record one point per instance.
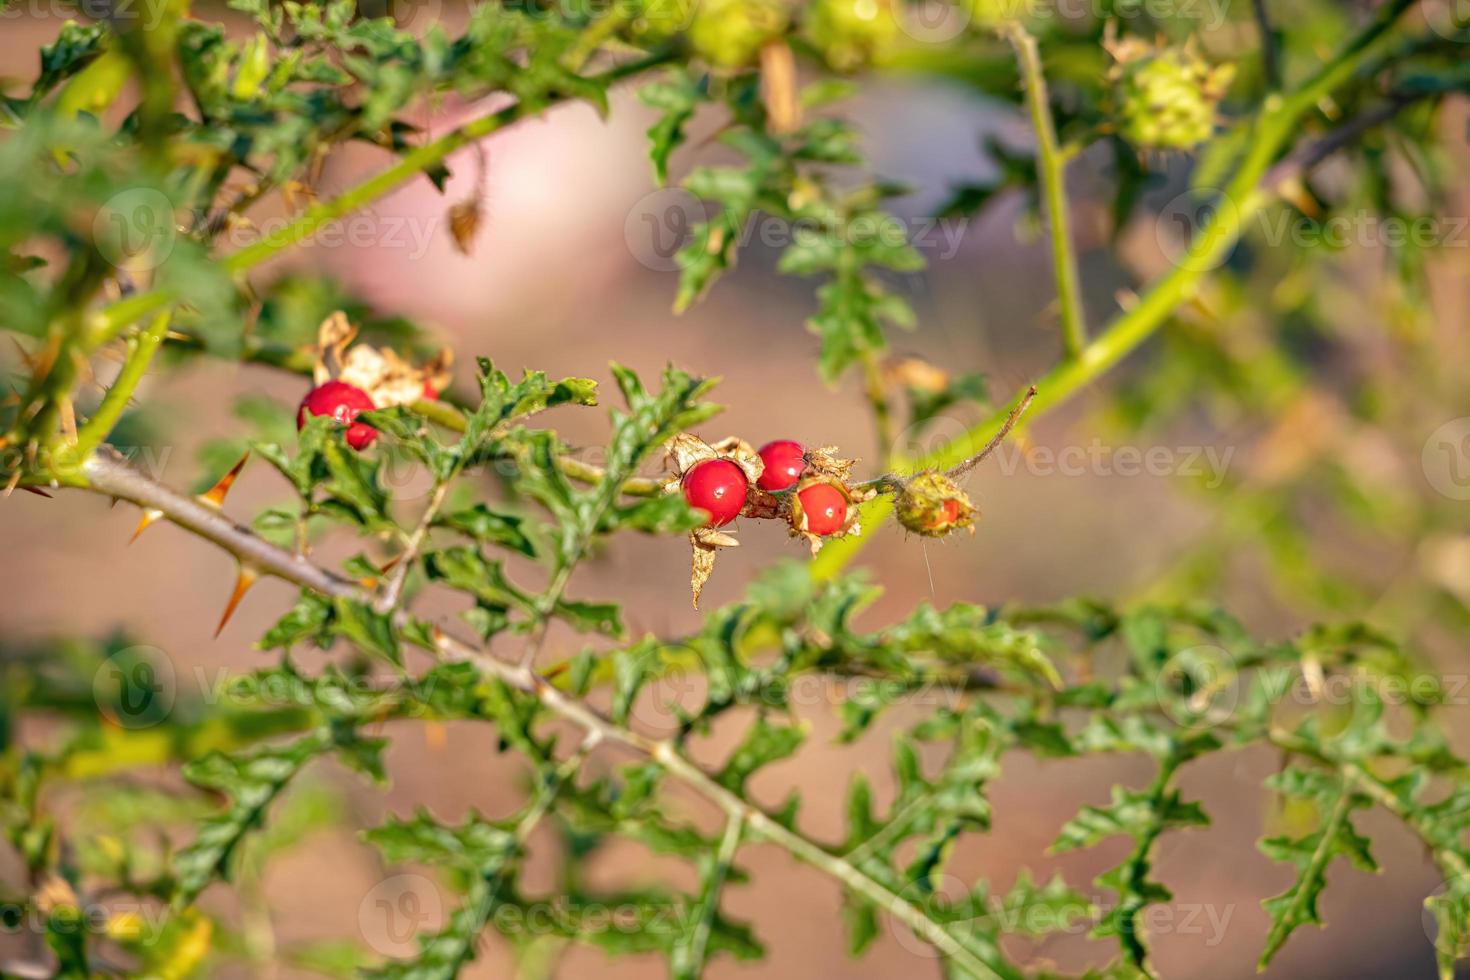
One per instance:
(716, 486)
(343, 402)
(784, 461)
(824, 507)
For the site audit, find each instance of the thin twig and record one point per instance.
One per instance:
(391, 595)
(960, 470)
(1270, 58)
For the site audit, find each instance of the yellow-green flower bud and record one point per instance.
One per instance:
(1167, 98)
(852, 33)
(730, 33)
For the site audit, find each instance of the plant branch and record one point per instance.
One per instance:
(109, 322)
(1051, 170)
(1270, 57)
(140, 353)
(391, 594)
(1275, 127)
(107, 473)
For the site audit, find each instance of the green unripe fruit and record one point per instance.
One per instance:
(730, 33)
(932, 504)
(1167, 98)
(657, 20)
(852, 33)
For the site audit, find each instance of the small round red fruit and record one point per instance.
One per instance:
(343, 402)
(717, 487)
(824, 507)
(784, 461)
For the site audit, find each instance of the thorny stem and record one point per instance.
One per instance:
(1051, 165)
(107, 473)
(1275, 127)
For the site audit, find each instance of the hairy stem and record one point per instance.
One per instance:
(1051, 165)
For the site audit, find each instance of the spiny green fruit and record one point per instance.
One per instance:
(730, 33)
(852, 33)
(932, 504)
(656, 20)
(1166, 97)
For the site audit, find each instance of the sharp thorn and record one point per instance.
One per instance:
(149, 516)
(37, 491)
(243, 583)
(215, 495)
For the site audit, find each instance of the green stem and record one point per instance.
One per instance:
(111, 321)
(1275, 128)
(1051, 169)
(140, 354)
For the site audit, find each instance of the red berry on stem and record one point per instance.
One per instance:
(824, 507)
(343, 402)
(784, 461)
(716, 486)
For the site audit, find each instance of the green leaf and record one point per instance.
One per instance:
(250, 783)
(1336, 798)
(488, 527)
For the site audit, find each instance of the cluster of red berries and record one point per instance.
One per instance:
(344, 402)
(719, 487)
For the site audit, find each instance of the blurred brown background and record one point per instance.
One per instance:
(555, 283)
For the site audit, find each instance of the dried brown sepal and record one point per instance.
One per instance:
(464, 222)
(705, 542)
(684, 452)
(797, 518)
(933, 505)
(824, 461)
(387, 378)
